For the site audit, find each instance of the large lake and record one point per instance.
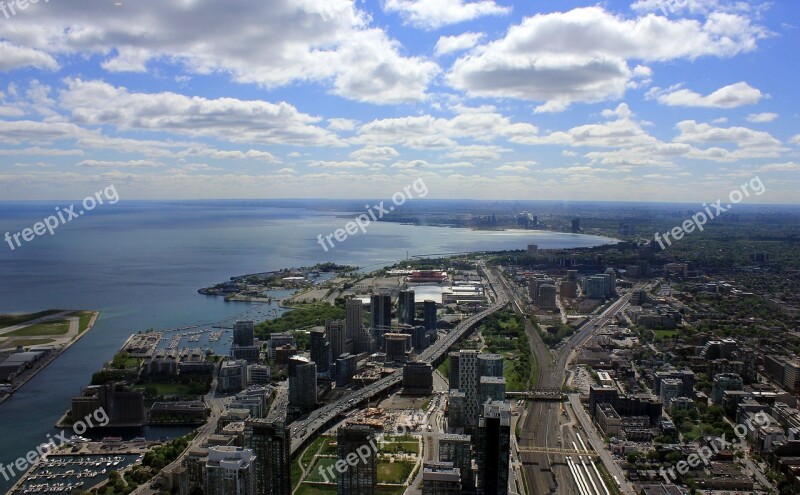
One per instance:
(141, 263)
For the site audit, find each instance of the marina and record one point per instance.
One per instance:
(64, 473)
(216, 336)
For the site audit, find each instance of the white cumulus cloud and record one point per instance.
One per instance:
(433, 14)
(591, 55)
(451, 44)
(731, 96)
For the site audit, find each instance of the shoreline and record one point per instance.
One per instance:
(49, 359)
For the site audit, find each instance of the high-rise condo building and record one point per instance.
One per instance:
(493, 448)
(405, 307)
(230, 471)
(361, 478)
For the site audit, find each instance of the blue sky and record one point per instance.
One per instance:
(647, 100)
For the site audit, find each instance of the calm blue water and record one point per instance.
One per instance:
(141, 263)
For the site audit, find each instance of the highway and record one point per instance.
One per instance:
(547, 472)
(307, 428)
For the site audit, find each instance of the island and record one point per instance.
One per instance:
(29, 342)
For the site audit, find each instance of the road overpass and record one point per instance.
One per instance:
(540, 393)
(305, 430)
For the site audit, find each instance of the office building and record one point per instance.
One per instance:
(335, 331)
(457, 449)
(473, 366)
(468, 383)
(270, 441)
(419, 337)
(609, 421)
(568, 289)
(611, 288)
(230, 471)
(321, 351)
(354, 318)
(722, 383)
(456, 410)
(670, 389)
(255, 400)
(279, 340)
(123, 407)
(467, 369)
(361, 478)
(259, 374)
(493, 448)
(547, 296)
(452, 373)
(595, 287)
(491, 389)
(626, 405)
(429, 320)
(601, 395)
(346, 368)
(791, 376)
(687, 378)
(302, 384)
(284, 353)
(381, 311)
(398, 347)
(232, 376)
(354, 327)
(405, 307)
(243, 332)
(542, 290)
(250, 353)
(490, 365)
(417, 378)
(440, 478)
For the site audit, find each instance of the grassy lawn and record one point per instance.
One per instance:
(164, 388)
(306, 489)
(401, 438)
(315, 475)
(329, 448)
(85, 318)
(404, 447)
(12, 344)
(444, 368)
(308, 454)
(123, 360)
(306, 459)
(11, 320)
(59, 327)
(394, 472)
(294, 474)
